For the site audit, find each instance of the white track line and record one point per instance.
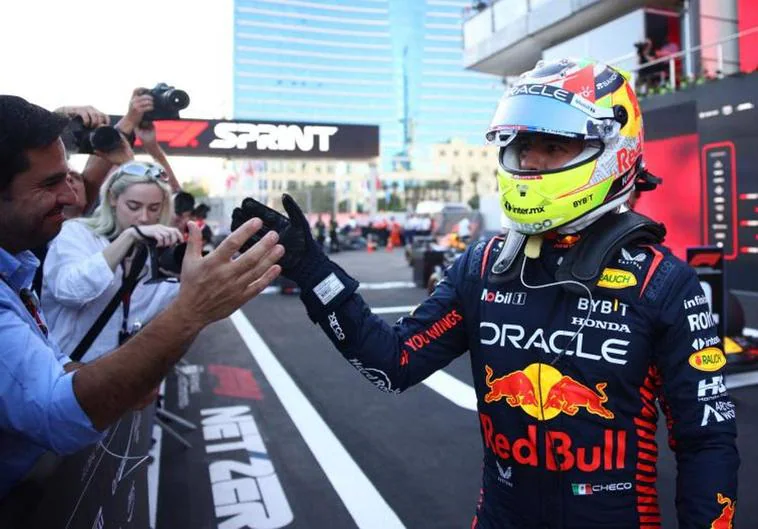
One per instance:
(364, 503)
(457, 392)
(393, 310)
(451, 388)
(154, 469)
(387, 285)
(740, 380)
(153, 476)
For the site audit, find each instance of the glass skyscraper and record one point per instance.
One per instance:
(392, 63)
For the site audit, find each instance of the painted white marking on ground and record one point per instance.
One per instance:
(154, 468)
(387, 285)
(364, 503)
(457, 392)
(741, 380)
(451, 388)
(153, 475)
(393, 310)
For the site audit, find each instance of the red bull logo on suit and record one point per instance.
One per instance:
(544, 392)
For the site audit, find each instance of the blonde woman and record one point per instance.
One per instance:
(88, 261)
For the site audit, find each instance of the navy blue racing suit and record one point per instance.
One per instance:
(568, 386)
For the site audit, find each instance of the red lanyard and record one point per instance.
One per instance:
(31, 302)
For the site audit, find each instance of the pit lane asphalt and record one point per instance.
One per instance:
(420, 451)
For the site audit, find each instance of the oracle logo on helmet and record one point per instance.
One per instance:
(543, 90)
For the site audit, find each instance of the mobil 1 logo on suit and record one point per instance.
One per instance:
(503, 298)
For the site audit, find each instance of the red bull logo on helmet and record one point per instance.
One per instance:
(544, 392)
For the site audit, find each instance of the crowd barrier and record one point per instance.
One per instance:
(101, 487)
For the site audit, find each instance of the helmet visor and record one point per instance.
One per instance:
(562, 114)
(513, 153)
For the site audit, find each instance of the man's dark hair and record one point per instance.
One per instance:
(24, 126)
(201, 211)
(183, 202)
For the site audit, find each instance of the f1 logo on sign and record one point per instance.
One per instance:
(711, 259)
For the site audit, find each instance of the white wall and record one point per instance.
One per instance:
(718, 19)
(605, 43)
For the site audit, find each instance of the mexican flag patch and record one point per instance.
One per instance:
(581, 489)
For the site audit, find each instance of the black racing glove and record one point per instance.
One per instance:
(323, 284)
(294, 233)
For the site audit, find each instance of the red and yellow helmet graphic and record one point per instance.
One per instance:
(580, 99)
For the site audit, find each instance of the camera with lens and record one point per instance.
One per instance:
(166, 263)
(80, 139)
(167, 102)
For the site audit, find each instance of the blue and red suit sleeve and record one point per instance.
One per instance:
(700, 415)
(395, 357)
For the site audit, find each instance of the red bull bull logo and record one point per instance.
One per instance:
(516, 388)
(544, 392)
(725, 519)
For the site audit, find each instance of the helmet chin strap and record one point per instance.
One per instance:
(509, 252)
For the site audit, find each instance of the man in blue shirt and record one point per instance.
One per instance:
(48, 406)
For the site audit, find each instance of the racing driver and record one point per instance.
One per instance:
(580, 324)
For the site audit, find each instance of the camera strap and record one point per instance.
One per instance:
(122, 296)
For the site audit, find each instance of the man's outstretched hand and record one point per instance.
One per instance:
(302, 256)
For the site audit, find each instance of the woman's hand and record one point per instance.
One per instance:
(162, 235)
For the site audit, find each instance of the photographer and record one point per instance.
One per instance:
(86, 185)
(88, 261)
(184, 205)
(100, 162)
(199, 216)
(131, 126)
(42, 405)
